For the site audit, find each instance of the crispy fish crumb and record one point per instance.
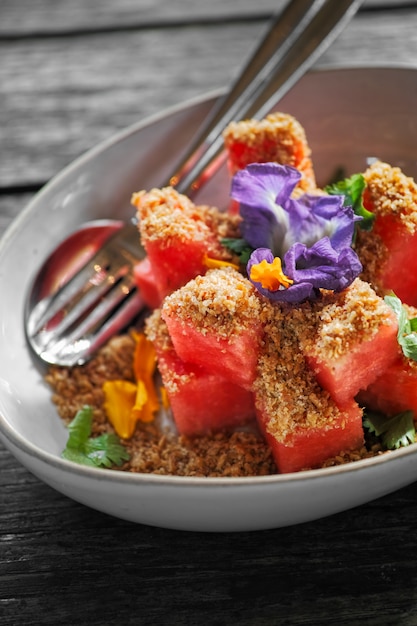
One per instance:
(278, 138)
(372, 253)
(154, 450)
(166, 215)
(77, 386)
(350, 456)
(285, 387)
(218, 455)
(389, 192)
(222, 301)
(337, 322)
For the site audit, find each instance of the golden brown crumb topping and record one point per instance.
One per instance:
(278, 138)
(76, 386)
(390, 192)
(372, 253)
(164, 214)
(337, 322)
(156, 330)
(153, 449)
(285, 387)
(328, 328)
(220, 454)
(222, 300)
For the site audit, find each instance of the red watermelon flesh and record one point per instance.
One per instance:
(234, 358)
(395, 390)
(302, 423)
(201, 401)
(178, 236)
(145, 280)
(355, 340)
(214, 322)
(387, 251)
(176, 262)
(309, 447)
(396, 273)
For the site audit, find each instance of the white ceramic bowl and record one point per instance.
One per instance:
(348, 115)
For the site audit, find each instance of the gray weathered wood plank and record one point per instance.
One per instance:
(28, 17)
(50, 115)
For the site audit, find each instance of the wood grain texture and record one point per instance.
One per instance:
(61, 562)
(45, 17)
(59, 97)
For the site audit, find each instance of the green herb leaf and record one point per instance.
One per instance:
(240, 247)
(102, 451)
(76, 456)
(352, 188)
(407, 335)
(106, 450)
(80, 428)
(395, 432)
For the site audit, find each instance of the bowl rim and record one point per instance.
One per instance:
(13, 439)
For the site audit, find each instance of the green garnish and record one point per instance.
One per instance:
(102, 451)
(407, 335)
(394, 432)
(240, 247)
(352, 188)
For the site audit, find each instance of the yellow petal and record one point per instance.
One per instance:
(143, 409)
(144, 358)
(119, 400)
(144, 365)
(164, 397)
(214, 264)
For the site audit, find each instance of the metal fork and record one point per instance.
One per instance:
(69, 325)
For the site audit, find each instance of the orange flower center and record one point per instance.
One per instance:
(270, 275)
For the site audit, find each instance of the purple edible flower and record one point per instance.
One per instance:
(309, 269)
(301, 244)
(273, 219)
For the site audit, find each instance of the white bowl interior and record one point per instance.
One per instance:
(349, 115)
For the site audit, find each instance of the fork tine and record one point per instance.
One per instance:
(111, 316)
(86, 281)
(80, 312)
(73, 310)
(121, 250)
(89, 314)
(97, 302)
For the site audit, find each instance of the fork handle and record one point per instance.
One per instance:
(295, 40)
(284, 28)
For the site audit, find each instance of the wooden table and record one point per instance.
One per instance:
(71, 74)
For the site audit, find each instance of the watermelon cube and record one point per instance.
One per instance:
(387, 252)
(202, 402)
(145, 280)
(302, 423)
(214, 322)
(310, 447)
(178, 235)
(278, 138)
(351, 341)
(395, 390)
